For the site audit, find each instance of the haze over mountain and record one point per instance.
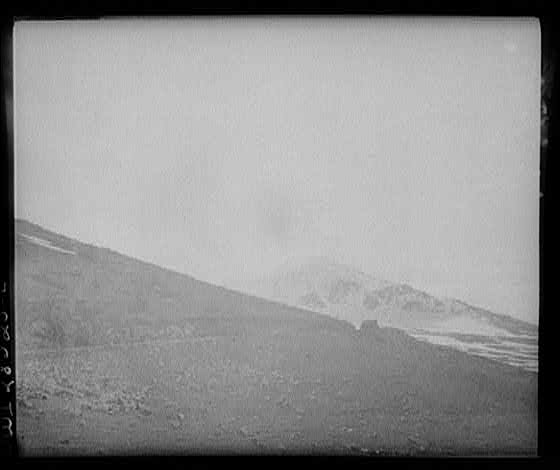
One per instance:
(157, 160)
(107, 344)
(89, 300)
(343, 292)
(220, 147)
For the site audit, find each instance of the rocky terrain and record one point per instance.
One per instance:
(278, 392)
(120, 357)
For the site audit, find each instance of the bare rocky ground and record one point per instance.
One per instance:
(117, 357)
(276, 392)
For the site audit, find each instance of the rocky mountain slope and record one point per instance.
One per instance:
(345, 293)
(121, 357)
(73, 294)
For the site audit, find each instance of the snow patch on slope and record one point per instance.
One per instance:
(46, 244)
(467, 325)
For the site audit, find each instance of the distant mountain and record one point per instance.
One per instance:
(348, 294)
(74, 294)
(102, 336)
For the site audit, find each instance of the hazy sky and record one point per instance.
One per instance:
(221, 148)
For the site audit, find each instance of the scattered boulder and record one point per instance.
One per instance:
(174, 332)
(282, 402)
(188, 330)
(144, 411)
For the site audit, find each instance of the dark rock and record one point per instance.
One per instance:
(369, 326)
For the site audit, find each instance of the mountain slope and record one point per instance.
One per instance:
(107, 344)
(345, 293)
(71, 294)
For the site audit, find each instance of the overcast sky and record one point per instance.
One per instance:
(221, 148)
